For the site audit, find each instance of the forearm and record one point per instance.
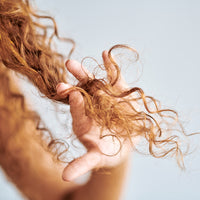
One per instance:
(22, 156)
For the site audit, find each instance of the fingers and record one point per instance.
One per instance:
(77, 70)
(61, 89)
(76, 100)
(77, 106)
(106, 60)
(81, 122)
(81, 165)
(82, 74)
(110, 68)
(112, 72)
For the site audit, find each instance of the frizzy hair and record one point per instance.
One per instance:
(25, 47)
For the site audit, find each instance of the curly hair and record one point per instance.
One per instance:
(25, 47)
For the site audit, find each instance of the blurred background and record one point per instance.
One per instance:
(166, 33)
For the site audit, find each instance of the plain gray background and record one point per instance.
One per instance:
(167, 36)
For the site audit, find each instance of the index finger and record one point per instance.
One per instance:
(112, 73)
(78, 71)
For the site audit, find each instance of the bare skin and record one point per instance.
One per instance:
(87, 131)
(43, 172)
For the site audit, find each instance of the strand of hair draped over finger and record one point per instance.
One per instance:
(26, 47)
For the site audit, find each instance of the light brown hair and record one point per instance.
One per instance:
(25, 47)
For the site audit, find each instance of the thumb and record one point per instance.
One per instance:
(76, 100)
(81, 165)
(81, 122)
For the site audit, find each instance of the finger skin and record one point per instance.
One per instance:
(76, 100)
(81, 165)
(106, 59)
(77, 70)
(120, 84)
(61, 87)
(81, 123)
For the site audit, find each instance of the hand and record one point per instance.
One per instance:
(87, 131)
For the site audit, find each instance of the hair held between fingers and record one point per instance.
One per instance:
(25, 47)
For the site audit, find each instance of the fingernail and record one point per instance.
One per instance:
(105, 52)
(62, 86)
(59, 84)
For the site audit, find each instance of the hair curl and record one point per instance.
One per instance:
(25, 47)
